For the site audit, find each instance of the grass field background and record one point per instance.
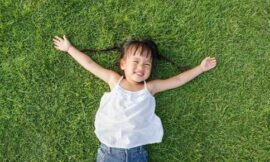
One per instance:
(48, 101)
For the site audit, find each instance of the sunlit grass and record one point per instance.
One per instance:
(48, 102)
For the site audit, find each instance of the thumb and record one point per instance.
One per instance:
(65, 37)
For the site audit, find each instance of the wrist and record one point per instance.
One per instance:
(69, 47)
(201, 69)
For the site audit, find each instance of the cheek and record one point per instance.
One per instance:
(148, 70)
(130, 68)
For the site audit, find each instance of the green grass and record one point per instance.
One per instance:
(48, 102)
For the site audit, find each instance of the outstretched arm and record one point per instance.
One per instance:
(181, 79)
(106, 75)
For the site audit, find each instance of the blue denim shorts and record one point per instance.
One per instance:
(111, 154)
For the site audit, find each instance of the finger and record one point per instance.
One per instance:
(58, 38)
(56, 47)
(213, 65)
(211, 58)
(65, 37)
(207, 59)
(213, 62)
(56, 43)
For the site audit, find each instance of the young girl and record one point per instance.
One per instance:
(126, 119)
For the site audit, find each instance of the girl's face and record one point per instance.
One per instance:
(137, 67)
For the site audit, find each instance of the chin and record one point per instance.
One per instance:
(140, 79)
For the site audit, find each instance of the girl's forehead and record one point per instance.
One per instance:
(139, 57)
(139, 52)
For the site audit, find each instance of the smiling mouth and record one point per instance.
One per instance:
(139, 74)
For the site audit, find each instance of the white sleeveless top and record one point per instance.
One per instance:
(127, 119)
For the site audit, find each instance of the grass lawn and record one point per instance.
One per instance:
(48, 101)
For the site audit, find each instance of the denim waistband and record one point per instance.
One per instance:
(137, 149)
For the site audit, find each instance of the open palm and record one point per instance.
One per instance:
(208, 63)
(61, 44)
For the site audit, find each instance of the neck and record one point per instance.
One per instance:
(131, 82)
(131, 85)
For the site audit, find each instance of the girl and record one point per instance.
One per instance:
(126, 119)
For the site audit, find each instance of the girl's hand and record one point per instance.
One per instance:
(61, 44)
(208, 63)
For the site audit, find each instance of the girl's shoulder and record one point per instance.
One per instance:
(114, 78)
(151, 87)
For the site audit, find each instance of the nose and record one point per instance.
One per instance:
(140, 67)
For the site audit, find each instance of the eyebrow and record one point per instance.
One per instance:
(137, 58)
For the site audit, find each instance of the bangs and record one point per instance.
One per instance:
(140, 48)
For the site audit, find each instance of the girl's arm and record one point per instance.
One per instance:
(156, 86)
(106, 75)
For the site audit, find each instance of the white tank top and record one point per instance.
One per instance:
(127, 119)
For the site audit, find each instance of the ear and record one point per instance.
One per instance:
(122, 64)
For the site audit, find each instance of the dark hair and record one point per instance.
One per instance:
(146, 45)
